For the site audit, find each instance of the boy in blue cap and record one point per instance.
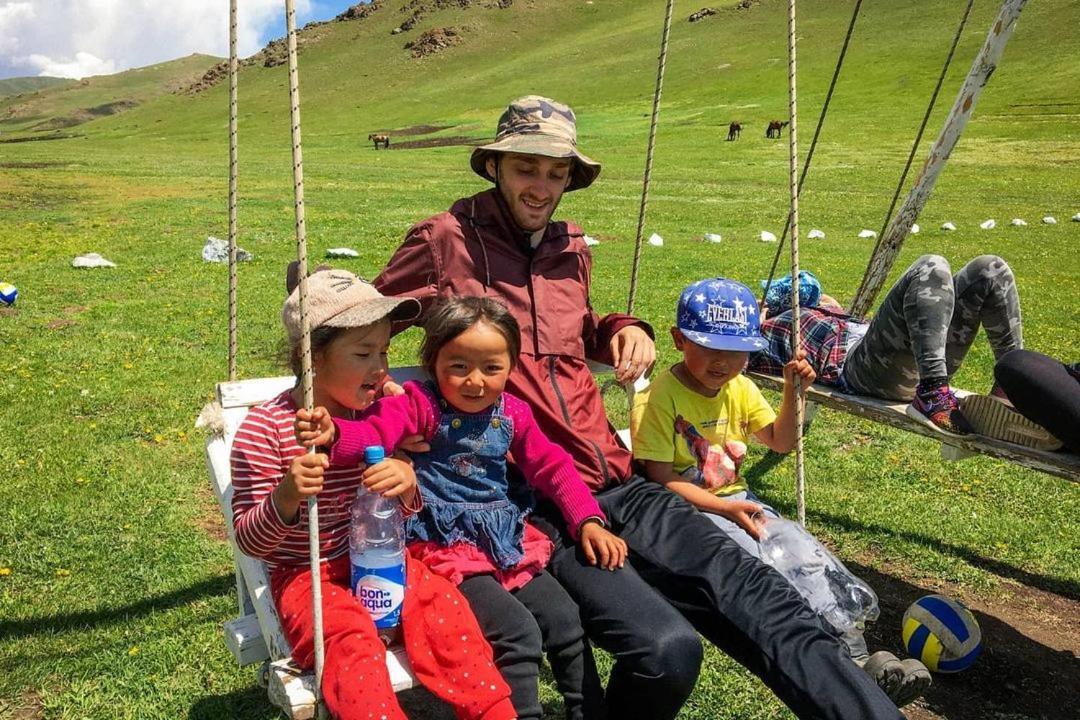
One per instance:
(691, 426)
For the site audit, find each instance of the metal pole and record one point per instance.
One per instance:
(981, 69)
(793, 166)
(661, 63)
(305, 337)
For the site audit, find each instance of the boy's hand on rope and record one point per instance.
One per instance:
(744, 513)
(633, 354)
(601, 546)
(800, 367)
(314, 427)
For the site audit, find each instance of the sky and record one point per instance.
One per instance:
(79, 38)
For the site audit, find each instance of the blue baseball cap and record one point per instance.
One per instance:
(720, 314)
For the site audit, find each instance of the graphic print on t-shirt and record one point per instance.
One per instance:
(717, 464)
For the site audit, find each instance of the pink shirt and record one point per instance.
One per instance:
(546, 467)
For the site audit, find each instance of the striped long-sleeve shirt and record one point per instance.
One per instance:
(262, 453)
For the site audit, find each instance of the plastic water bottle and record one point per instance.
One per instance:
(377, 554)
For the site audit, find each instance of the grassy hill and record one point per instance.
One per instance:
(19, 85)
(56, 106)
(117, 576)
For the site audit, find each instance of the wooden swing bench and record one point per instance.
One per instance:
(1061, 464)
(255, 636)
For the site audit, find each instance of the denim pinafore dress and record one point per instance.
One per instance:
(464, 484)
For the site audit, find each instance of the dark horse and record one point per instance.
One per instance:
(733, 131)
(383, 140)
(775, 129)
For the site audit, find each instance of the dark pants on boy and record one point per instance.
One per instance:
(520, 625)
(739, 604)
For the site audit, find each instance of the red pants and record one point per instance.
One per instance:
(442, 639)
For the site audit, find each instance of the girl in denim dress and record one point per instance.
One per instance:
(473, 527)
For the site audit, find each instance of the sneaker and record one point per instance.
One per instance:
(938, 408)
(990, 417)
(916, 682)
(886, 670)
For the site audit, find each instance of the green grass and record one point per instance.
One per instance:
(19, 85)
(118, 585)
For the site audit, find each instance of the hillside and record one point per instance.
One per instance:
(20, 85)
(57, 106)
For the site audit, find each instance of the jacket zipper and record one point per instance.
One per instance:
(566, 417)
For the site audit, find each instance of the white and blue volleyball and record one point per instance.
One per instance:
(942, 633)
(8, 293)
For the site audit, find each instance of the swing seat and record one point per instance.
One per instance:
(255, 636)
(1061, 464)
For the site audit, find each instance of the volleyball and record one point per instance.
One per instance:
(942, 633)
(8, 293)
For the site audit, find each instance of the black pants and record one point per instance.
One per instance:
(519, 624)
(739, 604)
(1044, 391)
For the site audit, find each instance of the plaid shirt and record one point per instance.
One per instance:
(824, 339)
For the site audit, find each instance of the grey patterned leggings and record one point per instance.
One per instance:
(927, 322)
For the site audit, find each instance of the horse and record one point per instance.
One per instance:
(775, 129)
(384, 140)
(733, 131)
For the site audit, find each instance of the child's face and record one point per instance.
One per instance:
(471, 370)
(350, 370)
(710, 369)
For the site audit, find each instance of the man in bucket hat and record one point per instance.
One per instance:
(502, 243)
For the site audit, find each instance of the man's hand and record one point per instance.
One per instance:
(314, 427)
(799, 367)
(745, 514)
(602, 547)
(633, 354)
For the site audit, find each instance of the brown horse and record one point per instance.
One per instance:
(383, 140)
(775, 129)
(733, 131)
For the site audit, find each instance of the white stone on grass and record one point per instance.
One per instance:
(590, 240)
(816, 234)
(713, 237)
(767, 236)
(656, 240)
(341, 252)
(1018, 222)
(948, 226)
(1050, 220)
(915, 229)
(92, 260)
(867, 234)
(1076, 217)
(988, 224)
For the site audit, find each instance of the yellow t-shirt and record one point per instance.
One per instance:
(704, 438)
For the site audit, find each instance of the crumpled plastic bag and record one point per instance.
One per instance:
(217, 250)
(845, 601)
(92, 260)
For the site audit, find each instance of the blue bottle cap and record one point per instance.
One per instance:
(374, 454)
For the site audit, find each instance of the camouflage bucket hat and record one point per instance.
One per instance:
(534, 125)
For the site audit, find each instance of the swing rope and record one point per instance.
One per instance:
(233, 67)
(793, 216)
(861, 305)
(305, 337)
(813, 143)
(661, 63)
